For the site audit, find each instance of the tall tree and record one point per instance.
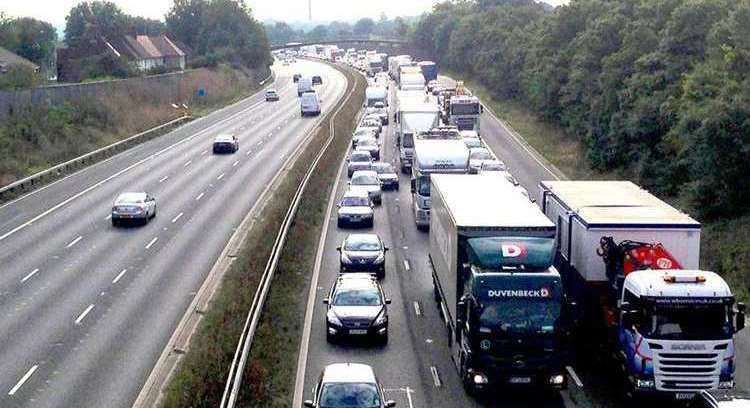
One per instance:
(89, 20)
(363, 26)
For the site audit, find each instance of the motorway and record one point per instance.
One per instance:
(87, 308)
(414, 368)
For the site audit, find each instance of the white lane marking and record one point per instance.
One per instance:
(199, 196)
(174, 220)
(73, 242)
(107, 218)
(235, 163)
(417, 310)
(152, 242)
(249, 152)
(27, 277)
(119, 173)
(270, 133)
(187, 163)
(204, 152)
(163, 179)
(406, 264)
(119, 276)
(221, 176)
(435, 377)
(84, 313)
(260, 143)
(408, 396)
(574, 376)
(23, 379)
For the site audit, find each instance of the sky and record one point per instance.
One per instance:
(54, 11)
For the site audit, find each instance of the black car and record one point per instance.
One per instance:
(363, 253)
(317, 80)
(357, 309)
(296, 77)
(387, 175)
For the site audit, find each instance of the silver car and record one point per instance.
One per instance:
(371, 146)
(477, 156)
(362, 133)
(387, 175)
(358, 160)
(355, 209)
(140, 207)
(367, 181)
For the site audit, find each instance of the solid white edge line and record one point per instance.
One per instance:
(174, 220)
(119, 276)
(408, 397)
(83, 314)
(73, 242)
(299, 382)
(27, 277)
(23, 379)
(574, 376)
(152, 242)
(435, 377)
(126, 169)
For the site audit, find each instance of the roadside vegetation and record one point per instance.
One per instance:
(38, 137)
(649, 90)
(269, 375)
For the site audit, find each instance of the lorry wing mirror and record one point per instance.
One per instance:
(413, 185)
(338, 248)
(385, 249)
(309, 404)
(627, 318)
(460, 312)
(387, 301)
(740, 323)
(326, 300)
(390, 404)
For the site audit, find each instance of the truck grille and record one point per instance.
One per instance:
(686, 371)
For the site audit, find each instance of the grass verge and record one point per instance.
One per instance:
(269, 374)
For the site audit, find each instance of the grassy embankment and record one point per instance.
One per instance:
(39, 137)
(725, 244)
(269, 374)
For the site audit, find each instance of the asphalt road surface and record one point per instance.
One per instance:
(88, 308)
(414, 368)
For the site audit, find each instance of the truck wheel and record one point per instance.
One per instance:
(465, 379)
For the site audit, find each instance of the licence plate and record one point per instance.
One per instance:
(357, 331)
(684, 395)
(520, 380)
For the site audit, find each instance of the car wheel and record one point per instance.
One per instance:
(384, 339)
(339, 224)
(115, 222)
(381, 273)
(372, 223)
(154, 214)
(329, 337)
(146, 220)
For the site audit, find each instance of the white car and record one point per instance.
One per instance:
(363, 133)
(226, 144)
(494, 165)
(477, 156)
(367, 181)
(138, 206)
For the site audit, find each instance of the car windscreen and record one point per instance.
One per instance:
(354, 201)
(360, 157)
(362, 243)
(130, 199)
(349, 395)
(364, 296)
(364, 179)
(480, 155)
(384, 168)
(419, 121)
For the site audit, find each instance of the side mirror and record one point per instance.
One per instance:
(326, 300)
(740, 317)
(413, 185)
(387, 301)
(338, 248)
(390, 404)
(309, 404)
(627, 319)
(338, 205)
(385, 249)
(348, 183)
(460, 312)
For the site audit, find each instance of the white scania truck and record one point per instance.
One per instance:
(631, 262)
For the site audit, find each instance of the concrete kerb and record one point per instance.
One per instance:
(152, 392)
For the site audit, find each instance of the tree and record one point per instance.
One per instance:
(30, 38)
(19, 76)
(184, 20)
(363, 27)
(87, 22)
(318, 33)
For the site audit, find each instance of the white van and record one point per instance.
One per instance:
(304, 85)
(309, 104)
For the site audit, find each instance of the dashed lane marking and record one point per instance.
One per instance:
(174, 220)
(73, 242)
(199, 196)
(435, 377)
(406, 264)
(417, 309)
(23, 379)
(152, 242)
(119, 276)
(27, 277)
(84, 313)
(163, 179)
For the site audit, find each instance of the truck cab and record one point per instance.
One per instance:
(464, 112)
(676, 329)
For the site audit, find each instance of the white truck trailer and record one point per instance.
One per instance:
(415, 113)
(632, 263)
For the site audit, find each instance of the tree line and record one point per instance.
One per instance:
(282, 33)
(654, 89)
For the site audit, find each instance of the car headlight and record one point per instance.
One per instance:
(644, 383)
(345, 258)
(380, 258)
(726, 384)
(381, 319)
(556, 379)
(332, 318)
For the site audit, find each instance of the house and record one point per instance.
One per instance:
(148, 52)
(8, 58)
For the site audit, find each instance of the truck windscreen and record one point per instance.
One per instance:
(520, 315)
(465, 109)
(511, 253)
(418, 121)
(687, 322)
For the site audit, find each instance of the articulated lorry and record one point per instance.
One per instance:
(464, 112)
(492, 253)
(395, 64)
(415, 113)
(435, 152)
(631, 262)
